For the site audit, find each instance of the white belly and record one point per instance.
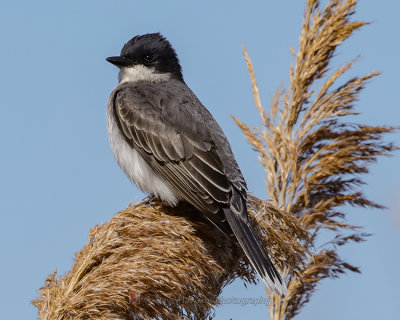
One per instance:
(137, 170)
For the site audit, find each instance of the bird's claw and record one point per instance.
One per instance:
(147, 201)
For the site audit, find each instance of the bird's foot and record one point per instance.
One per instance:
(147, 201)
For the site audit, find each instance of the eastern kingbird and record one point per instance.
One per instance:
(170, 146)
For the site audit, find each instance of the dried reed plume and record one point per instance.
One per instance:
(152, 261)
(312, 155)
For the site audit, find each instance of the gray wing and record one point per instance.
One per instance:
(169, 128)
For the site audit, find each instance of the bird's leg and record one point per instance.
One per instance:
(147, 201)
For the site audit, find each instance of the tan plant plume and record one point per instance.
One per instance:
(152, 261)
(312, 155)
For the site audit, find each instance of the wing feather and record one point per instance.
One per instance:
(187, 160)
(157, 148)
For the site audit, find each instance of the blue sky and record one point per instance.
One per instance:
(58, 177)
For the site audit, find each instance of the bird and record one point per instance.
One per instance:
(172, 148)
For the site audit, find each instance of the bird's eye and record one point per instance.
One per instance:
(148, 58)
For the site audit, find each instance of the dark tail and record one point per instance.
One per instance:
(238, 220)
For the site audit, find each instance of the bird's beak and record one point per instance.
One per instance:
(119, 61)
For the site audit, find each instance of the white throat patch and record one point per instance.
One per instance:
(141, 73)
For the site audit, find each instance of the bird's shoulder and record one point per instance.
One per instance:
(169, 103)
(166, 114)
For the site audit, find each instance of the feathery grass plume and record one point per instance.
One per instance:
(152, 261)
(312, 155)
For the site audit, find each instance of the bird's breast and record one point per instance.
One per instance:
(134, 166)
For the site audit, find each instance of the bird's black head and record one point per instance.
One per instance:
(151, 51)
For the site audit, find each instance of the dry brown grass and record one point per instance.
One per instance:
(157, 262)
(313, 157)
